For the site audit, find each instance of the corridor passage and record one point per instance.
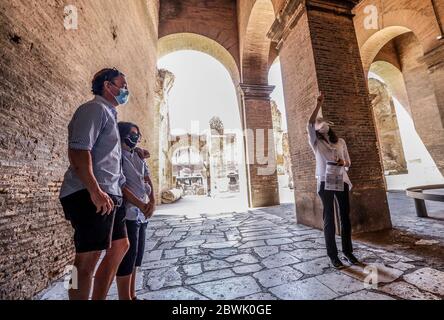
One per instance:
(264, 254)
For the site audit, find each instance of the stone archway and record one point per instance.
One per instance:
(393, 18)
(394, 79)
(255, 49)
(377, 41)
(196, 42)
(421, 26)
(410, 81)
(193, 41)
(255, 20)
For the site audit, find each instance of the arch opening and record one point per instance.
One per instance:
(281, 138)
(377, 41)
(202, 95)
(255, 51)
(191, 41)
(404, 108)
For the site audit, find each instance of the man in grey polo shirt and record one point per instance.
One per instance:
(91, 190)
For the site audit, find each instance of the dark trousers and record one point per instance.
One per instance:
(328, 198)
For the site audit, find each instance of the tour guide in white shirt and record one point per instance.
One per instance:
(332, 151)
(91, 190)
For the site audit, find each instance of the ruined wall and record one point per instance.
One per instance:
(394, 79)
(423, 103)
(393, 18)
(278, 137)
(165, 82)
(423, 19)
(393, 159)
(45, 74)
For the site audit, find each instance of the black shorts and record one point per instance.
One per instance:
(93, 231)
(134, 256)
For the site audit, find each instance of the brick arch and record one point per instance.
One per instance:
(215, 19)
(377, 41)
(192, 41)
(187, 141)
(393, 23)
(255, 51)
(421, 96)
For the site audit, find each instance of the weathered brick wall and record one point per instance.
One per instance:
(322, 52)
(255, 19)
(165, 82)
(421, 93)
(416, 16)
(388, 67)
(389, 54)
(263, 182)
(45, 74)
(300, 88)
(215, 19)
(413, 28)
(392, 152)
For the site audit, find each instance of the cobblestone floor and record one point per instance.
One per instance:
(263, 254)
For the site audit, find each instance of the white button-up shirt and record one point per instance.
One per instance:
(135, 171)
(326, 152)
(94, 128)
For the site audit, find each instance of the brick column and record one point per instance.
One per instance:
(263, 189)
(435, 64)
(319, 51)
(423, 76)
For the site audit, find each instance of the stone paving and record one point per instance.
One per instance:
(264, 255)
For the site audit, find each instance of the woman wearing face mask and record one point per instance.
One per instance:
(138, 206)
(332, 156)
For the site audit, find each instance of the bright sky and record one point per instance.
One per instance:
(203, 89)
(275, 79)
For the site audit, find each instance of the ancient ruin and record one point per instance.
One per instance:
(50, 50)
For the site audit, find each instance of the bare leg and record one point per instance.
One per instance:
(85, 264)
(124, 287)
(108, 268)
(133, 284)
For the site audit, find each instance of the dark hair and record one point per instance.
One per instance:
(331, 136)
(102, 76)
(125, 129)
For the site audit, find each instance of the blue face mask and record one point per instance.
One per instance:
(123, 96)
